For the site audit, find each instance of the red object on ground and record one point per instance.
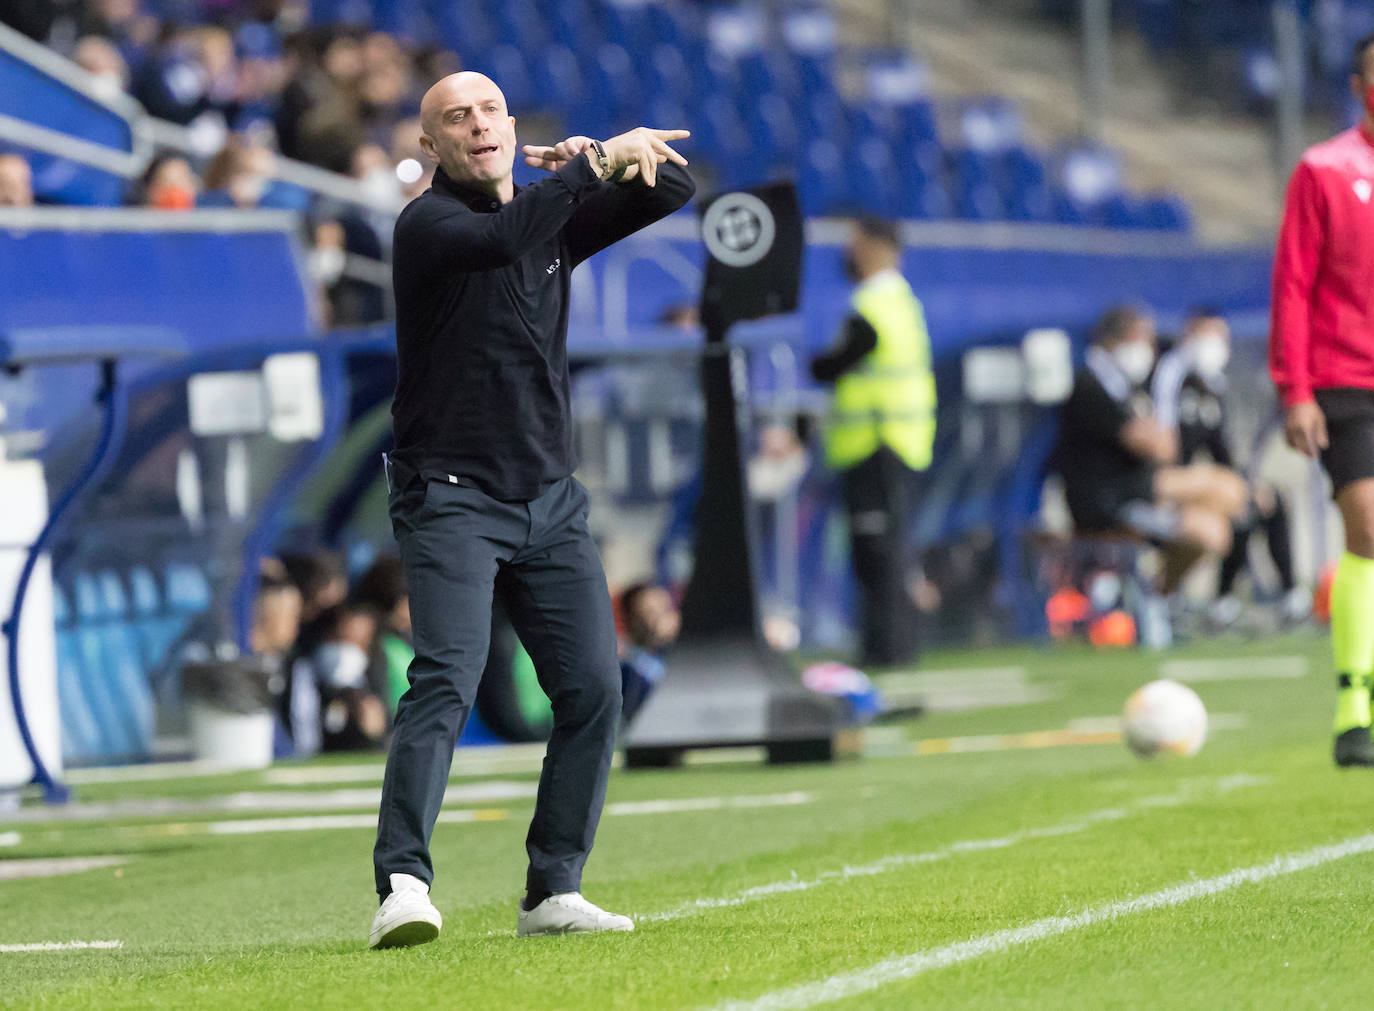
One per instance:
(1064, 610)
(1115, 628)
(1321, 595)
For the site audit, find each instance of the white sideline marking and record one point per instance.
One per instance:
(897, 861)
(892, 970)
(1238, 669)
(267, 800)
(60, 945)
(1107, 724)
(149, 772)
(306, 823)
(10, 838)
(708, 803)
(51, 867)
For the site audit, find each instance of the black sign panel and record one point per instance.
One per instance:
(753, 242)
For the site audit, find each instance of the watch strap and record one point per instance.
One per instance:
(599, 149)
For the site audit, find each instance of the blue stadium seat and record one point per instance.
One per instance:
(666, 72)
(627, 25)
(974, 186)
(188, 591)
(1166, 211)
(822, 182)
(521, 24)
(82, 737)
(774, 128)
(1025, 193)
(99, 683)
(876, 178)
(558, 76)
(156, 626)
(124, 662)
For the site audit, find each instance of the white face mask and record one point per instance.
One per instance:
(1210, 353)
(381, 188)
(326, 264)
(1134, 359)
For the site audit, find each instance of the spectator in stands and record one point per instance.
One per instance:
(414, 170)
(383, 588)
(881, 433)
(352, 716)
(169, 184)
(1189, 394)
(649, 625)
(189, 73)
(99, 58)
(318, 118)
(323, 584)
(241, 176)
(1120, 465)
(16, 181)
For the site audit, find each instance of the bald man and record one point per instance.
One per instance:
(16, 181)
(482, 497)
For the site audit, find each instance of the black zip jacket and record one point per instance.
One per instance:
(482, 321)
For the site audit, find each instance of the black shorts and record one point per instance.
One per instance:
(1349, 455)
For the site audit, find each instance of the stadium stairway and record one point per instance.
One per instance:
(1221, 165)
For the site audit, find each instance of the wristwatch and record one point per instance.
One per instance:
(599, 149)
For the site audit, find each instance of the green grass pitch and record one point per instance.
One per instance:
(911, 878)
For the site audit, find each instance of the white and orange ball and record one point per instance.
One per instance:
(1164, 716)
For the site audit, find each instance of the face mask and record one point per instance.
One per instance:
(851, 267)
(341, 664)
(1134, 359)
(326, 265)
(173, 198)
(1210, 354)
(381, 188)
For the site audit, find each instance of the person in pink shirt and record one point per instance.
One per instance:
(1321, 357)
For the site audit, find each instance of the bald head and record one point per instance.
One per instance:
(16, 181)
(467, 129)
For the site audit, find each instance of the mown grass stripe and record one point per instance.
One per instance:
(892, 970)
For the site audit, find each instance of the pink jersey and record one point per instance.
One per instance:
(1323, 291)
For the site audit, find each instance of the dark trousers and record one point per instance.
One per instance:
(877, 494)
(459, 547)
(1274, 522)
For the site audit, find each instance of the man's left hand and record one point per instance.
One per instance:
(554, 158)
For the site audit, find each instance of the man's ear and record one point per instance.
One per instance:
(427, 146)
(1357, 87)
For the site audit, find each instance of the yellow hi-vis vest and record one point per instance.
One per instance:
(888, 399)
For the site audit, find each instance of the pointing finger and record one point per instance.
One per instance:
(666, 152)
(671, 134)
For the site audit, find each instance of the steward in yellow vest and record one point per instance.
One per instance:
(881, 430)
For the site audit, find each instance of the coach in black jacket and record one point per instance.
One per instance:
(482, 495)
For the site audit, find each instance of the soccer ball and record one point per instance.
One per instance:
(1164, 716)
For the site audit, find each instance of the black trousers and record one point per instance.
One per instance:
(878, 493)
(459, 548)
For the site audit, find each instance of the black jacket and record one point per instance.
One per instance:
(482, 321)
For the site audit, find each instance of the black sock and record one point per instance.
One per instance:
(533, 899)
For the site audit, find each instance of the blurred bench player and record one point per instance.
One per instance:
(1119, 463)
(1189, 394)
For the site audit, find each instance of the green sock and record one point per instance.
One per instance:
(1352, 638)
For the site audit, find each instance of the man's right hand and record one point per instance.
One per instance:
(1304, 426)
(644, 149)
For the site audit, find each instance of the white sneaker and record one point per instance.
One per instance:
(407, 916)
(568, 913)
